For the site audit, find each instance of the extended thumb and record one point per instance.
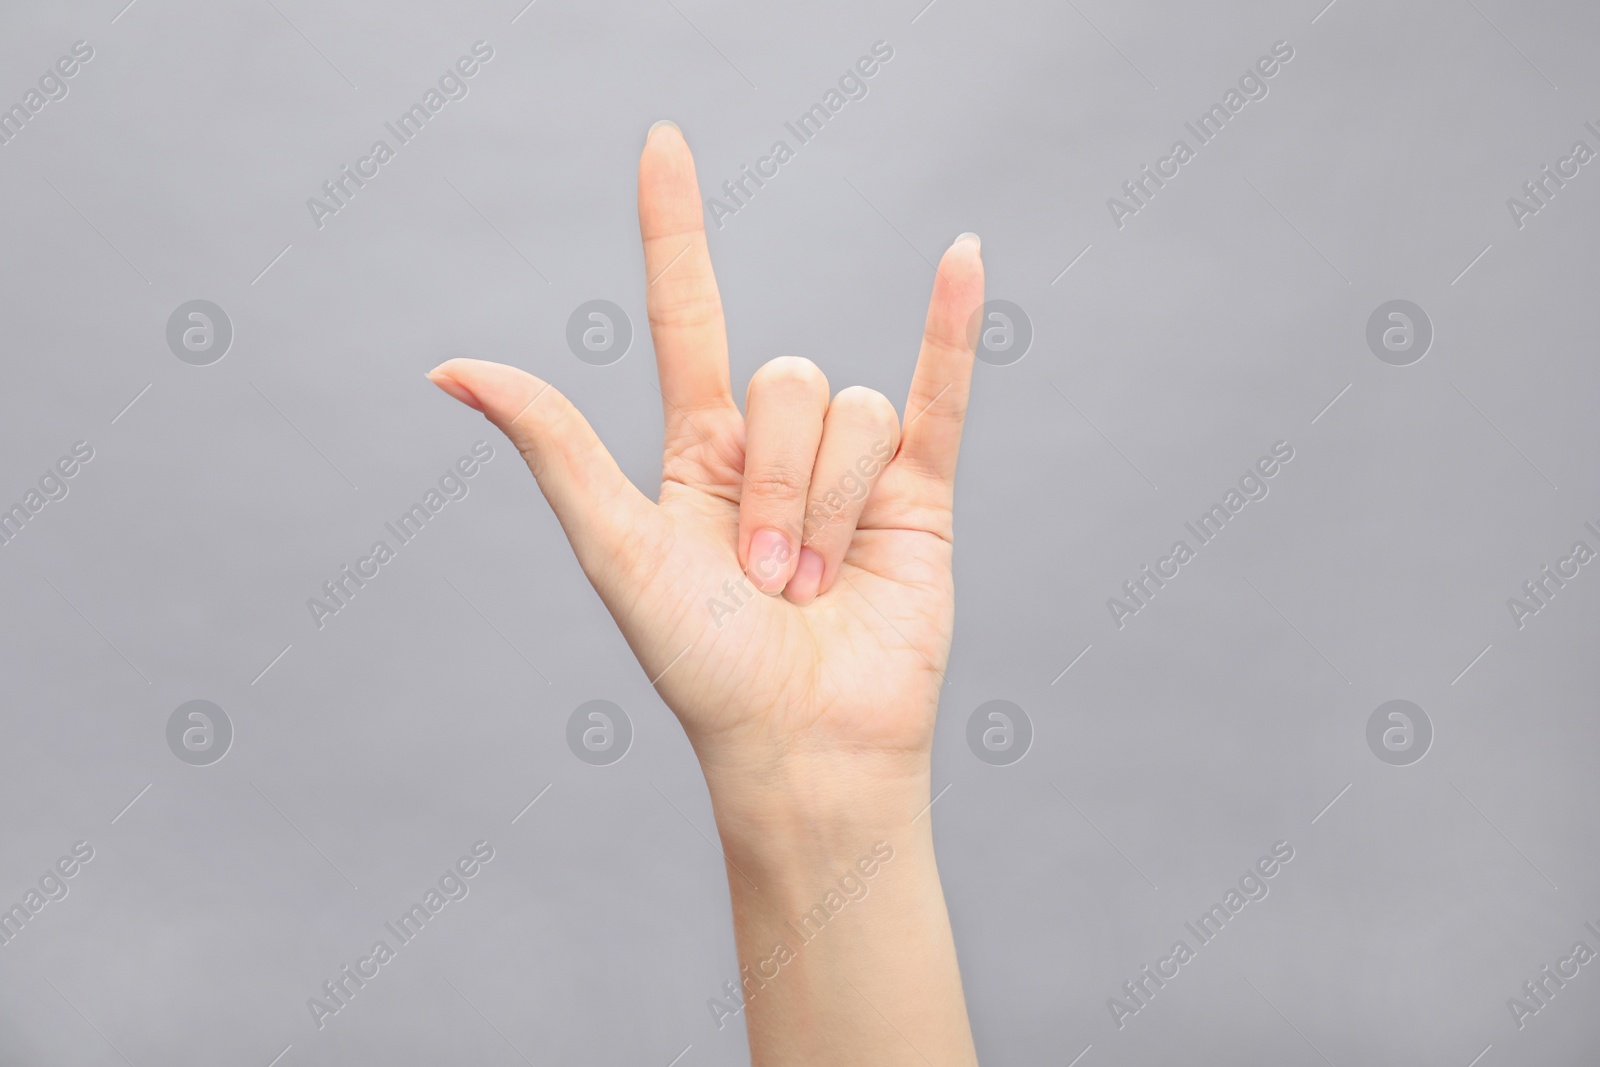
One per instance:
(601, 511)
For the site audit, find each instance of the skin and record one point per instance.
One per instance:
(823, 529)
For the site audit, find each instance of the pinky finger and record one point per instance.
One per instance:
(937, 405)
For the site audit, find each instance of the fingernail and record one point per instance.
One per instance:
(455, 389)
(807, 580)
(970, 236)
(771, 561)
(658, 124)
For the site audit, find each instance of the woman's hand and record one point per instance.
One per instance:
(829, 502)
(790, 597)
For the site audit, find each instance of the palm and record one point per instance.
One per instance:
(861, 663)
(853, 654)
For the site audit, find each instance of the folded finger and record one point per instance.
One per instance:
(859, 437)
(784, 411)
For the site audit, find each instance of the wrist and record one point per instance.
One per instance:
(823, 785)
(809, 848)
(793, 815)
(834, 887)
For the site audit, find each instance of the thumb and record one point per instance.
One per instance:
(613, 528)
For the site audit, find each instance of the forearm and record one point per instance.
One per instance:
(845, 950)
(812, 711)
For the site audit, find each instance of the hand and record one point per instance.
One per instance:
(790, 597)
(830, 503)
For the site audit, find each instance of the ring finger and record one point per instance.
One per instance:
(859, 436)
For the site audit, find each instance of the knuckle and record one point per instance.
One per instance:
(776, 482)
(823, 522)
(535, 462)
(791, 374)
(859, 404)
(952, 337)
(691, 313)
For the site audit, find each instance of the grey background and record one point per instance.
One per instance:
(1222, 318)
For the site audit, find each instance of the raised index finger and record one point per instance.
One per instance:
(681, 295)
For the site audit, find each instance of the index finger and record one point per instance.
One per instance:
(681, 295)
